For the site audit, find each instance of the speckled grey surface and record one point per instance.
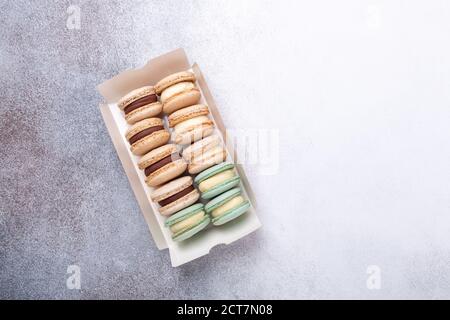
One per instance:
(358, 89)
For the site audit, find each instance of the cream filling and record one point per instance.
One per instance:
(187, 223)
(176, 89)
(201, 147)
(215, 152)
(234, 202)
(215, 180)
(188, 124)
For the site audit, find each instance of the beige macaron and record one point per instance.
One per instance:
(198, 148)
(187, 113)
(139, 104)
(170, 80)
(178, 96)
(192, 129)
(175, 195)
(211, 157)
(204, 154)
(162, 164)
(177, 91)
(146, 135)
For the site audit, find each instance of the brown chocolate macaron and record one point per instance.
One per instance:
(162, 164)
(177, 91)
(139, 104)
(146, 135)
(175, 195)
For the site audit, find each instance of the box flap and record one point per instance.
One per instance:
(156, 69)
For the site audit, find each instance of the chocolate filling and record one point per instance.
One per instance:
(176, 196)
(161, 163)
(140, 103)
(144, 133)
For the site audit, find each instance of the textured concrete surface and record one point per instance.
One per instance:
(359, 91)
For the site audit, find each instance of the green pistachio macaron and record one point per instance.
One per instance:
(187, 222)
(227, 206)
(216, 180)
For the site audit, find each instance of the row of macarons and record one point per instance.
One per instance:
(163, 163)
(218, 185)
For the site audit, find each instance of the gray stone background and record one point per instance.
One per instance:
(359, 91)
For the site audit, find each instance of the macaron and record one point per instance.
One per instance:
(177, 91)
(191, 124)
(175, 195)
(187, 222)
(162, 164)
(146, 135)
(139, 104)
(174, 78)
(187, 113)
(227, 206)
(204, 153)
(216, 180)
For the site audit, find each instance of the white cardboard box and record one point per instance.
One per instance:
(152, 72)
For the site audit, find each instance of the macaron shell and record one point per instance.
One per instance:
(183, 214)
(181, 100)
(180, 204)
(142, 125)
(222, 199)
(195, 134)
(134, 95)
(187, 113)
(157, 154)
(197, 166)
(166, 173)
(150, 142)
(200, 147)
(172, 79)
(208, 173)
(175, 90)
(192, 123)
(147, 111)
(192, 231)
(224, 186)
(232, 214)
(171, 188)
